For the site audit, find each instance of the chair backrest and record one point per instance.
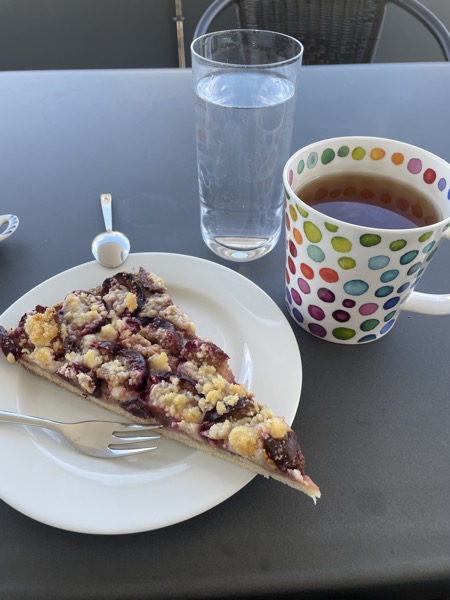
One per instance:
(331, 31)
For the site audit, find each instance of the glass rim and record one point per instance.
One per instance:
(278, 63)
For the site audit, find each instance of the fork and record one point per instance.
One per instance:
(102, 439)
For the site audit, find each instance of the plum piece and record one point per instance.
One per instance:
(243, 407)
(162, 332)
(149, 283)
(105, 348)
(285, 452)
(127, 281)
(137, 367)
(137, 408)
(7, 345)
(201, 351)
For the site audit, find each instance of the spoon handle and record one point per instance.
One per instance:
(106, 201)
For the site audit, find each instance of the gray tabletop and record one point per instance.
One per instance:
(373, 420)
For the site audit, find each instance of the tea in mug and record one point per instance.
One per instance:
(370, 200)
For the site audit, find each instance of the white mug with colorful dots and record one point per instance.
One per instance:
(348, 278)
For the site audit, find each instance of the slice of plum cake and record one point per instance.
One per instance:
(128, 348)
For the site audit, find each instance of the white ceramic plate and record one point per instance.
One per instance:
(44, 478)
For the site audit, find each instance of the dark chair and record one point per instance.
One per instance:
(331, 31)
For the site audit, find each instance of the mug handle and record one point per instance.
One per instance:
(429, 304)
(12, 224)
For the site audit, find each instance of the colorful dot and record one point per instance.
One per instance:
(317, 329)
(378, 262)
(377, 153)
(343, 333)
(297, 315)
(293, 213)
(300, 167)
(327, 156)
(432, 253)
(368, 309)
(288, 223)
(358, 153)
(302, 211)
(369, 239)
(348, 303)
(367, 338)
(350, 191)
(312, 232)
(442, 184)
(414, 166)
(329, 275)
(296, 296)
(429, 176)
(326, 295)
(347, 263)
(397, 158)
(321, 194)
(303, 285)
(389, 316)
(330, 227)
(414, 268)
(408, 257)
(315, 253)
(307, 271)
(397, 245)
(402, 288)
(312, 160)
(343, 151)
(297, 236)
(367, 194)
(341, 244)
(342, 316)
(386, 327)
(356, 287)
(369, 324)
(425, 236)
(417, 211)
(291, 265)
(384, 291)
(288, 296)
(428, 247)
(389, 275)
(402, 204)
(391, 303)
(292, 248)
(316, 312)
(290, 179)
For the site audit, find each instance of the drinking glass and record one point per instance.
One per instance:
(245, 84)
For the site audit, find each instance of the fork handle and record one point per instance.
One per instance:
(10, 417)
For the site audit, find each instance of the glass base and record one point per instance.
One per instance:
(241, 249)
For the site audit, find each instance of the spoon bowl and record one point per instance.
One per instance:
(110, 248)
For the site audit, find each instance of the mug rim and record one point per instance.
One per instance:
(367, 138)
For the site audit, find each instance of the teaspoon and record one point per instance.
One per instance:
(110, 248)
